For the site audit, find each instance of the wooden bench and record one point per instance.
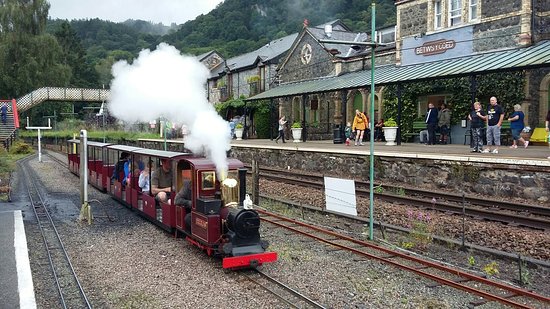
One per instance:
(420, 126)
(417, 127)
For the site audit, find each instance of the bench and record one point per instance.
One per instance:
(505, 134)
(417, 127)
(420, 126)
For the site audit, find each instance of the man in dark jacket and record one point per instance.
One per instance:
(4, 111)
(431, 122)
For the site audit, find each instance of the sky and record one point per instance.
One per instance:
(156, 11)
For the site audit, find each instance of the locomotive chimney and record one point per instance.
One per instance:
(230, 192)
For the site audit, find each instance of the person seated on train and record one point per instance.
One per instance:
(161, 182)
(144, 180)
(184, 195)
(119, 172)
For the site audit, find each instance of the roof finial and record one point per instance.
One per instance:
(306, 23)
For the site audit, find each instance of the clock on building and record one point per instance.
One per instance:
(306, 54)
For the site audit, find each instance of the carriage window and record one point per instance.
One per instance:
(208, 180)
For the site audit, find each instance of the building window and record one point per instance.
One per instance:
(386, 35)
(437, 15)
(455, 12)
(473, 10)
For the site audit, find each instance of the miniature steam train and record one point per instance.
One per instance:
(213, 219)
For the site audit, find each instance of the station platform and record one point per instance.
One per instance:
(530, 156)
(533, 155)
(16, 286)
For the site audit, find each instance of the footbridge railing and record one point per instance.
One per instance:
(61, 94)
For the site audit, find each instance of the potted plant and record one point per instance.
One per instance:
(296, 131)
(239, 129)
(390, 131)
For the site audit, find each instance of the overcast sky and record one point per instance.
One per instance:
(164, 11)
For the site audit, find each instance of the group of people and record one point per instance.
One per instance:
(437, 120)
(158, 183)
(492, 120)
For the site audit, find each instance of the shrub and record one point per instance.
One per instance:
(239, 126)
(20, 147)
(296, 125)
(390, 123)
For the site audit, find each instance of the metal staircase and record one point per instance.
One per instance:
(61, 94)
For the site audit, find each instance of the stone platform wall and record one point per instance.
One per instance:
(502, 180)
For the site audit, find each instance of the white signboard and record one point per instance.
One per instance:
(340, 195)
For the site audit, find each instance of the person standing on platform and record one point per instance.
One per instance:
(516, 126)
(444, 123)
(360, 123)
(282, 123)
(4, 112)
(477, 119)
(495, 115)
(431, 123)
(347, 133)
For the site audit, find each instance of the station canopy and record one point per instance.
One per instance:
(534, 56)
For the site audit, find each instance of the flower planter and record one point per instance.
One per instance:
(297, 134)
(239, 134)
(390, 133)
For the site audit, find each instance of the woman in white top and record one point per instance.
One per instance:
(144, 180)
(282, 123)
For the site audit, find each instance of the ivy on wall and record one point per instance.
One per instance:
(508, 87)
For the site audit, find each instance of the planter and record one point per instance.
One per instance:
(297, 134)
(239, 134)
(390, 133)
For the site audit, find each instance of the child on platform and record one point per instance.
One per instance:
(348, 133)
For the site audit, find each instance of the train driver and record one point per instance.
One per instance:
(184, 195)
(161, 182)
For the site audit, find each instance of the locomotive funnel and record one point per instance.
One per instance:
(230, 192)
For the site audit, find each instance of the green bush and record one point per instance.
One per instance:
(261, 121)
(20, 147)
(296, 125)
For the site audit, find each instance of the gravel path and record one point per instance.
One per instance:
(125, 262)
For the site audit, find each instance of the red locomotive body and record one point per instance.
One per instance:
(206, 213)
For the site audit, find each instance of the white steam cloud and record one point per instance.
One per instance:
(163, 83)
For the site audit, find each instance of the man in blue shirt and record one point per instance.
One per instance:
(431, 122)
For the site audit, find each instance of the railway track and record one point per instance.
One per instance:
(530, 216)
(70, 291)
(283, 292)
(444, 275)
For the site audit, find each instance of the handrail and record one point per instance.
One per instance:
(15, 113)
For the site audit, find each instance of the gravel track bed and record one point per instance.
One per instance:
(124, 261)
(490, 234)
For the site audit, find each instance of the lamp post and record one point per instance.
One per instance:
(373, 45)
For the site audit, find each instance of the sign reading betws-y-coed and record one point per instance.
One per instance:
(434, 47)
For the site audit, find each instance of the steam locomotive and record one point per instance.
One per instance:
(213, 219)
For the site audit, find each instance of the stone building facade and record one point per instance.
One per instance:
(461, 28)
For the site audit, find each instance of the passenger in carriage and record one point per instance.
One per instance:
(144, 180)
(161, 182)
(119, 173)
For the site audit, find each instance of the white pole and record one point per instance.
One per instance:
(39, 147)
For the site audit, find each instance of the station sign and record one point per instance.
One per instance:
(435, 47)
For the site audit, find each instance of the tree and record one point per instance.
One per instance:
(74, 55)
(29, 58)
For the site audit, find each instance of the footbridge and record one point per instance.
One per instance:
(61, 94)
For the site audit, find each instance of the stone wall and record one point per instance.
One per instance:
(542, 20)
(320, 64)
(497, 34)
(413, 19)
(536, 113)
(502, 180)
(491, 8)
